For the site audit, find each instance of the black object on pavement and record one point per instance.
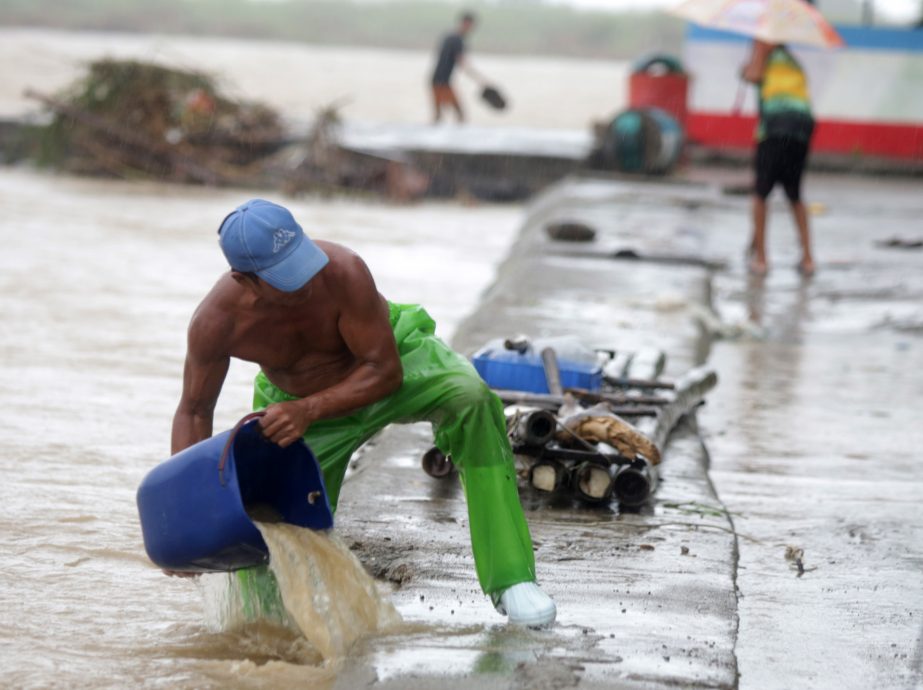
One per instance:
(493, 98)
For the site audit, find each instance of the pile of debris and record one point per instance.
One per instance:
(596, 446)
(132, 119)
(324, 165)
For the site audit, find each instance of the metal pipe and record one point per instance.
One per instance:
(570, 455)
(620, 405)
(436, 463)
(592, 481)
(595, 477)
(625, 382)
(648, 363)
(547, 475)
(689, 393)
(634, 483)
(552, 371)
(617, 367)
(535, 428)
(591, 397)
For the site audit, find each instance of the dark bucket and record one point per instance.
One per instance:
(193, 507)
(492, 96)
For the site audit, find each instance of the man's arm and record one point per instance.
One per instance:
(365, 327)
(466, 67)
(753, 71)
(207, 362)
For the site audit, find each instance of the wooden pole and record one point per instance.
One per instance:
(689, 393)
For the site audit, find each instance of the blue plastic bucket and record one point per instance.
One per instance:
(193, 507)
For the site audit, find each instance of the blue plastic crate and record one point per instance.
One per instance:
(511, 370)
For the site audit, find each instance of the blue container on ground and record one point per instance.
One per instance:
(644, 140)
(194, 513)
(510, 370)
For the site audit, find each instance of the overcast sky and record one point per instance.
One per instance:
(895, 9)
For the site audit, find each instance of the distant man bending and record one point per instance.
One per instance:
(338, 363)
(451, 54)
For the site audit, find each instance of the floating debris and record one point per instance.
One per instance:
(325, 165)
(133, 119)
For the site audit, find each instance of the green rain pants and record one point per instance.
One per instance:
(440, 386)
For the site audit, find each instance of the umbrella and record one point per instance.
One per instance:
(772, 21)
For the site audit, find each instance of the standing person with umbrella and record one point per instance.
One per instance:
(785, 124)
(783, 137)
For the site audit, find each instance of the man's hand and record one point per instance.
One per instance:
(286, 422)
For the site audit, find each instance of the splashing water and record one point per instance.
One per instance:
(314, 586)
(325, 589)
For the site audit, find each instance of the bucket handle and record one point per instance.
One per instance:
(227, 446)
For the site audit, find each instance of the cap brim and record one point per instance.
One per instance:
(296, 269)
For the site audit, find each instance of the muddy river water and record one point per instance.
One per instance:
(371, 85)
(97, 283)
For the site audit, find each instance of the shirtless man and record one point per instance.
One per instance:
(338, 363)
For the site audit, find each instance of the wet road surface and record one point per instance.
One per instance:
(813, 445)
(816, 434)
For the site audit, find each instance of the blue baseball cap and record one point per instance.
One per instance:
(263, 238)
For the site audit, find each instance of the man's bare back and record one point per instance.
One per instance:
(329, 343)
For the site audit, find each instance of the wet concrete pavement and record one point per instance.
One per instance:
(813, 434)
(645, 599)
(816, 433)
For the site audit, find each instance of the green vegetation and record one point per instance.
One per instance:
(513, 26)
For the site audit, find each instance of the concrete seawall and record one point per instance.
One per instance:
(790, 558)
(646, 599)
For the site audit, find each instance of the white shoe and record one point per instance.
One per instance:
(527, 605)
